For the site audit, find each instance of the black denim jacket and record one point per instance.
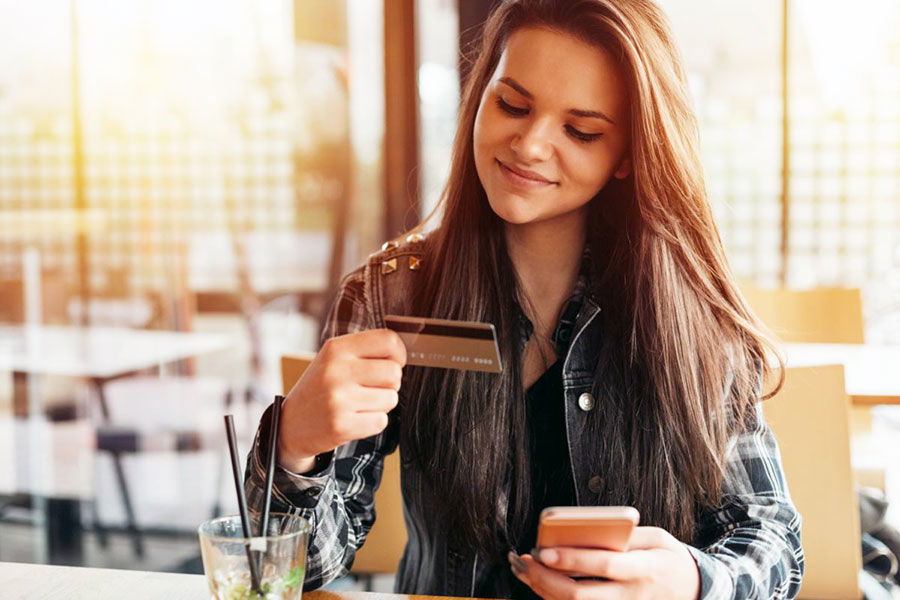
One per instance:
(748, 547)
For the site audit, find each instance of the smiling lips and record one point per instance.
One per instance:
(523, 178)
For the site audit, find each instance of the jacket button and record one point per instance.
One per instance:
(585, 402)
(595, 484)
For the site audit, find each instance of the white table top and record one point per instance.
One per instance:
(19, 581)
(872, 372)
(97, 351)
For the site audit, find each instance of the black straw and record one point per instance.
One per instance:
(242, 501)
(270, 464)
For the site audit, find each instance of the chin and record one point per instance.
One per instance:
(512, 209)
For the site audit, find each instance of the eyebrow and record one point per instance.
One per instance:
(595, 114)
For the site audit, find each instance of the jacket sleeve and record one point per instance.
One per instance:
(338, 499)
(749, 545)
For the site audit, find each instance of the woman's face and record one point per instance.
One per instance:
(552, 127)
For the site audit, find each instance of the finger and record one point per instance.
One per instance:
(367, 424)
(645, 538)
(620, 566)
(379, 343)
(377, 373)
(370, 399)
(546, 583)
(550, 583)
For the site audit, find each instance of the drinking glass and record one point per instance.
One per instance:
(281, 556)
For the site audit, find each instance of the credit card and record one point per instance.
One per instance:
(466, 345)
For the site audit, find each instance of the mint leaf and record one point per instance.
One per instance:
(293, 578)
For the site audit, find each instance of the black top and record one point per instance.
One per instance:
(551, 476)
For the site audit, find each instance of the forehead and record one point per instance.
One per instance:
(563, 71)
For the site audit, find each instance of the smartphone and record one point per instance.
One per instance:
(601, 527)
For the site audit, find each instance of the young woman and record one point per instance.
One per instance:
(575, 220)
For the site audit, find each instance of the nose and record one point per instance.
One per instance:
(533, 144)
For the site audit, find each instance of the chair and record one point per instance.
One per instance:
(810, 418)
(385, 543)
(823, 315)
(137, 311)
(147, 419)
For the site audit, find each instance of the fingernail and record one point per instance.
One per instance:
(547, 556)
(518, 565)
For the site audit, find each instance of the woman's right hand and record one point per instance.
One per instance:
(345, 394)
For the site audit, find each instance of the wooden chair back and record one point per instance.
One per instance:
(810, 417)
(385, 543)
(823, 315)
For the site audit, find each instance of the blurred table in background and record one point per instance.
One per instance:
(871, 372)
(26, 581)
(98, 355)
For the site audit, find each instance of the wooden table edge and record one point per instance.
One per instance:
(878, 400)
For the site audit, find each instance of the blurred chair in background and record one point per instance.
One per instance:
(274, 283)
(135, 311)
(820, 477)
(131, 422)
(151, 422)
(381, 553)
(823, 315)
(283, 328)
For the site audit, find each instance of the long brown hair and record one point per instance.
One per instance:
(681, 358)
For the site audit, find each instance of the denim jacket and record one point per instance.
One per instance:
(747, 547)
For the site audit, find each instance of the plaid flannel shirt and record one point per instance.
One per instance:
(748, 547)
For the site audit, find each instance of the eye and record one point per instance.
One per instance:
(511, 110)
(582, 136)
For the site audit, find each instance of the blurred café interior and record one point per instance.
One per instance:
(182, 185)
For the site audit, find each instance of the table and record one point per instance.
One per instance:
(31, 582)
(872, 372)
(98, 354)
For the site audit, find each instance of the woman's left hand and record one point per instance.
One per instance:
(656, 565)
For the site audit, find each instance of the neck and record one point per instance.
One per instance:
(546, 257)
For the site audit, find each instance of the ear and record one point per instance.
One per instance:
(624, 168)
